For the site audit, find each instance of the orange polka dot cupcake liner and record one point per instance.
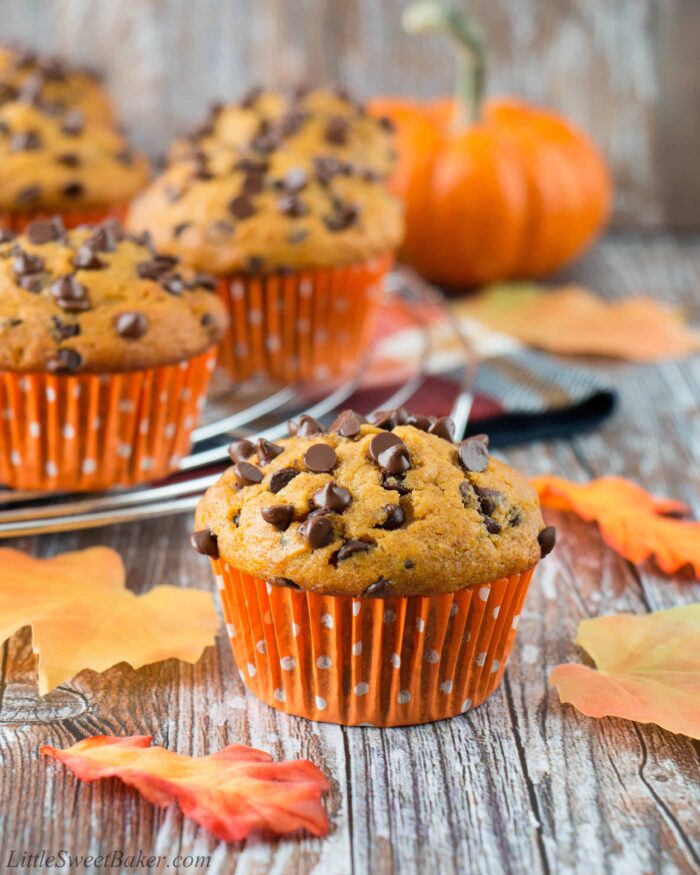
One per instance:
(88, 432)
(304, 326)
(18, 222)
(365, 661)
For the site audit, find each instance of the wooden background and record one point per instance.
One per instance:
(626, 70)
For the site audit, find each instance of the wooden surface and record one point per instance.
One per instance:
(626, 70)
(522, 785)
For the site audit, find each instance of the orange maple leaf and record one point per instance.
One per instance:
(82, 615)
(648, 669)
(631, 521)
(572, 320)
(230, 793)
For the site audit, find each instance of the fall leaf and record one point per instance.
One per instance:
(230, 793)
(572, 320)
(82, 615)
(648, 669)
(631, 521)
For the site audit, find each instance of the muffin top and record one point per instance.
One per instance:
(277, 186)
(388, 508)
(97, 300)
(52, 83)
(62, 161)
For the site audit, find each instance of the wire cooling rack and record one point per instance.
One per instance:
(230, 414)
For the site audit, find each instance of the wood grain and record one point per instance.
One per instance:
(625, 71)
(521, 785)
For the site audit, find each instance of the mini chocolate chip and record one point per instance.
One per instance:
(69, 159)
(45, 230)
(70, 295)
(492, 527)
(466, 490)
(73, 123)
(326, 167)
(207, 320)
(28, 195)
(179, 228)
(241, 450)
(395, 517)
(336, 130)
(332, 498)
(267, 451)
(382, 442)
(278, 515)
(489, 499)
(420, 422)
(241, 207)
(349, 549)
(409, 564)
(33, 283)
(348, 424)
(317, 531)
(87, 259)
(547, 539)
(344, 216)
(282, 581)
(389, 419)
(130, 326)
(474, 454)
(320, 458)
(205, 281)
(304, 426)
(290, 205)
(396, 484)
(247, 474)
(173, 283)
(253, 183)
(281, 478)
(443, 427)
(64, 330)
(66, 361)
(515, 517)
(105, 237)
(23, 263)
(379, 589)
(156, 267)
(205, 542)
(25, 141)
(255, 264)
(73, 189)
(386, 124)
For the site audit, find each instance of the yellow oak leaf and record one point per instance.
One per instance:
(572, 320)
(631, 521)
(647, 669)
(83, 616)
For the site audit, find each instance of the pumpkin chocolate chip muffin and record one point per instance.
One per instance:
(61, 162)
(106, 349)
(365, 525)
(296, 220)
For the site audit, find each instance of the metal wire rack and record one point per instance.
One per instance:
(31, 513)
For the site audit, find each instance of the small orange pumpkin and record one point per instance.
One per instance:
(492, 191)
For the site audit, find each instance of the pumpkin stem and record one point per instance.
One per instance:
(427, 16)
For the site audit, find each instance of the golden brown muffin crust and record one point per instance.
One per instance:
(380, 512)
(97, 300)
(304, 188)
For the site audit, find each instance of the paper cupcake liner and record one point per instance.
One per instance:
(379, 662)
(17, 222)
(309, 325)
(95, 431)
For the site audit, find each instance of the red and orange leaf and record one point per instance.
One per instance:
(83, 616)
(647, 669)
(631, 521)
(230, 793)
(572, 320)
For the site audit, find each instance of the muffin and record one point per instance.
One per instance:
(106, 350)
(52, 82)
(294, 216)
(60, 162)
(373, 573)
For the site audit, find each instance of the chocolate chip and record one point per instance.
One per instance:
(25, 141)
(253, 183)
(547, 539)
(290, 205)
(70, 295)
(205, 542)
(305, 426)
(73, 123)
(251, 165)
(515, 517)
(420, 422)
(389, 419)
(247, 474)
(180, 228)
(474, 454)
(156, 267)
(267, 451)
(317, 531)
(105, 237)
(64, 330)
(379, 589)
(173, 283)
(320, 458)
(349, 549)
(6, 236)
(489, 499)
(279, 516)
(23, 263)
(326, 167)
(409, 564)
(28, 195)
(336, 131)
(281, 478)
(348, 424)
(395, 517)
(130, 326)
(386, 124)
(443, 427)
(69, 159)
(254, 264)
(125, 157)
(332, 498)
(45, 231)
(241, 207)
(251, 98)
(73, 189)
(66, 361)
(396, 484)
(87, 259)
(241, 450)
(205, 281)
(395, 459)
(344, 216)
(33, 283)
(382, 442)
(492, 527)
(282, 581)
